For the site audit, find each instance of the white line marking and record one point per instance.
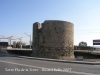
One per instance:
(96, 65)
(47, 68)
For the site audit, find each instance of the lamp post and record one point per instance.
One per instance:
(20, 42)
(30, 38)
(10, 39)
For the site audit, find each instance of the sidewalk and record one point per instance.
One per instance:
(4, 52)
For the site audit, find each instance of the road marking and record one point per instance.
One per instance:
(96, 65)
(47, 68)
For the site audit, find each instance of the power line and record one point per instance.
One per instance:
(15, 34)
(80, 32)
(87, 30)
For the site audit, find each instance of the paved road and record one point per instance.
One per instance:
(21, 66)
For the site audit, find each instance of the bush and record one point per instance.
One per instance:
(83, 48)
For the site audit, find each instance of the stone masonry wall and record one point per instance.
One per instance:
(55, 40)
(36, 28)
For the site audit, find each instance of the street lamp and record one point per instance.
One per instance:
(20, 42)
(20, 38)
(10, 39)
(30, 38)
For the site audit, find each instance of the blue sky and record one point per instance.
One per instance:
(17, 17)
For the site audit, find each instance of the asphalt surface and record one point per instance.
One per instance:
(10, 65)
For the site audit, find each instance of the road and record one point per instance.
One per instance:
(10, 65)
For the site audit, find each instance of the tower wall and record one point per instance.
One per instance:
(56, 40)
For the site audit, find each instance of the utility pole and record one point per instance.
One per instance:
(30, 38)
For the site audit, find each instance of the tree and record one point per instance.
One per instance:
(20, 43)
(83, 44)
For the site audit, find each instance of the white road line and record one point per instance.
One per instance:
(47, 68)
(96, 65)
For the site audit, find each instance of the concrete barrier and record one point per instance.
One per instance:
(24, 52)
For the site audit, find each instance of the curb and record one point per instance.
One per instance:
(63, 61)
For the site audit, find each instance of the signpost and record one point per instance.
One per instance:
(80, 58)
(96, 42)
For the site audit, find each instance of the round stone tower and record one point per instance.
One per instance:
(57, 40)
(54, 39)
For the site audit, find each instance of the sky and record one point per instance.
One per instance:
(18, 16)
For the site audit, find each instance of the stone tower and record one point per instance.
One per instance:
(53, 39)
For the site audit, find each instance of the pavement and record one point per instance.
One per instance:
(3, 51)
(11, 64)
(93, 62)
(17, 65)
